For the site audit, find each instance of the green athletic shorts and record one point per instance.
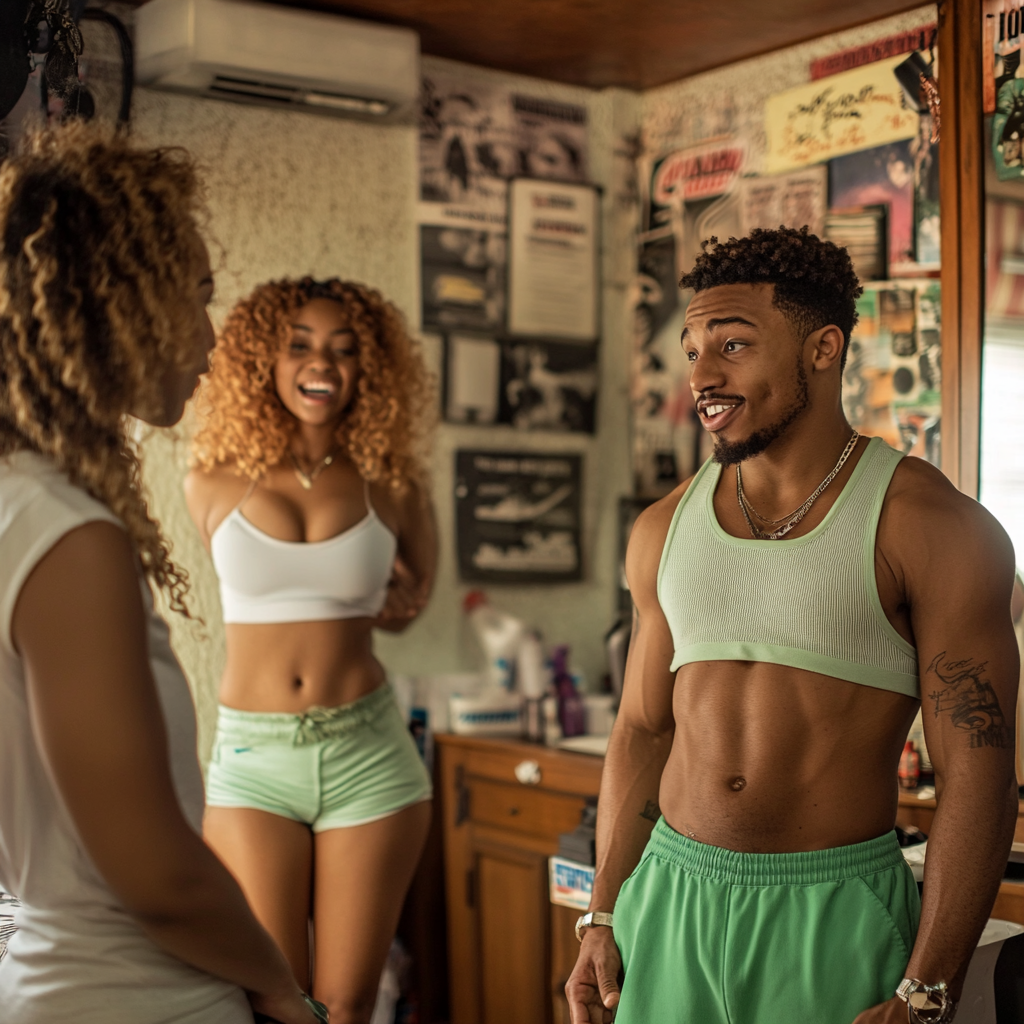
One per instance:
(711, 936)
(329, 768)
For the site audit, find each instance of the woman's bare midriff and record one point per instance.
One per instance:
(291, 666)
(769, 759)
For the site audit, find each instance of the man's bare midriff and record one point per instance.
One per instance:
(291, 666)
(769, 759)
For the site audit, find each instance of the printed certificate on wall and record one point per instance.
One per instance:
(553, 260)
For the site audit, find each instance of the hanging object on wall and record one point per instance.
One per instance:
(553, 266)
(518, 516)
(789, 200)
(883, 175)
(892, 382)
(856, 110)
(474, 138)
(534, 384)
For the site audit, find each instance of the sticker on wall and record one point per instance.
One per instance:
(855, 110)
(517, 516)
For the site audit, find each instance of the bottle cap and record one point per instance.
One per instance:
(473, 600)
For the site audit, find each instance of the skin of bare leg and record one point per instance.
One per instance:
(270, 857)
(362, 874)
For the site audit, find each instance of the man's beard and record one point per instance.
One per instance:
(728, 453)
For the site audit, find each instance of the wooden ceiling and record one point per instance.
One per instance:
(632, 43)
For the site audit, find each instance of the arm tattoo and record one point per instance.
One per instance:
(651, 811)
(970, 701)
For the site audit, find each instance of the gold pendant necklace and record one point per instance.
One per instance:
(794, 517)
(304, 478)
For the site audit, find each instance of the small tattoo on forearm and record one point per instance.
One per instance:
(651, 811)
(970, 701)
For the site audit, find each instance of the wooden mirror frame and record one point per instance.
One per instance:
(962, 215)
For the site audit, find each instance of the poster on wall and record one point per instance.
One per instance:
(463, 278)
(791, 200)
(855, 110)
(881, 176)
(549, 385)
(518, 516)
(892, 382)
(553, 260)
(535, 384)
(475, 136)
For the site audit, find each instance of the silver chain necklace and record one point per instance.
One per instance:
(794, 517)
(304, 478)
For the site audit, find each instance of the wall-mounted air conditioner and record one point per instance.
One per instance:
(277, 56)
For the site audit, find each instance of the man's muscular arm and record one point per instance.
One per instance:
(955, 565)
(637, 752)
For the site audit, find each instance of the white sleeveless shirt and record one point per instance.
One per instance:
(78, 955)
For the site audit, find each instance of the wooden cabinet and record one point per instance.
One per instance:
(1009, 905)
(509, 950)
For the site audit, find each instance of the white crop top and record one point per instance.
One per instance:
(78, 955)
(263, 579)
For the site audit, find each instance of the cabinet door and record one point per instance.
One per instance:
(512, 917)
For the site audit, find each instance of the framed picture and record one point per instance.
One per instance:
(553, 272)
(517, 516)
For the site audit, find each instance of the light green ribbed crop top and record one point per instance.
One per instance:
(809, 603)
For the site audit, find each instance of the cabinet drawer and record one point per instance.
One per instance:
(559, 770)
(522, 808)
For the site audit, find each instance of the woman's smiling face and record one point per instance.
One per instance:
(317, 371)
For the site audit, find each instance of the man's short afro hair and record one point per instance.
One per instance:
(815, 284)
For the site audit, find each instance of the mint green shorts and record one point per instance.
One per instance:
(329, 768)
(711, 936)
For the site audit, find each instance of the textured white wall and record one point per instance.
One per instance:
(292, 193)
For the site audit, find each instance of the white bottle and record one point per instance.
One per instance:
(533, 675)
(500, 635)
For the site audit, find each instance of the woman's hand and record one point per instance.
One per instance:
(287, 1007)
(405, 599)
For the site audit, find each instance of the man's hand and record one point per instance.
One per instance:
(892, 1011)
(593, 986)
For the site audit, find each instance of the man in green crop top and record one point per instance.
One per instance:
(797, 601)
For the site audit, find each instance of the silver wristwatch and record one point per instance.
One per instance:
(926, 1004)
(595, 917)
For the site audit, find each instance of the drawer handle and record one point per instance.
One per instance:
(528, 773)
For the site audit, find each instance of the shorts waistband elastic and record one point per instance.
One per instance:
(805, 868)
(315, 724)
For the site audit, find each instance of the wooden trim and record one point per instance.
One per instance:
(961, 170)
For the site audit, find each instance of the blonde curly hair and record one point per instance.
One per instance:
(244, 424)
(97, 249)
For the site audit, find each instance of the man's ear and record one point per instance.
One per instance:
(827, 344)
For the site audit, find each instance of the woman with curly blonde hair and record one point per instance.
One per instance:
(127, 917)
(309, 493)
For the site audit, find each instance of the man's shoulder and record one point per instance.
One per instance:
(924, 516)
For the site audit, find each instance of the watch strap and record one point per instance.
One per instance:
(594, 917)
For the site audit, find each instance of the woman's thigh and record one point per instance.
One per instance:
(272, 859)
(362, 874)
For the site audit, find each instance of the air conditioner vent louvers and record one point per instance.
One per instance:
(224, 85)
(279, 57)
